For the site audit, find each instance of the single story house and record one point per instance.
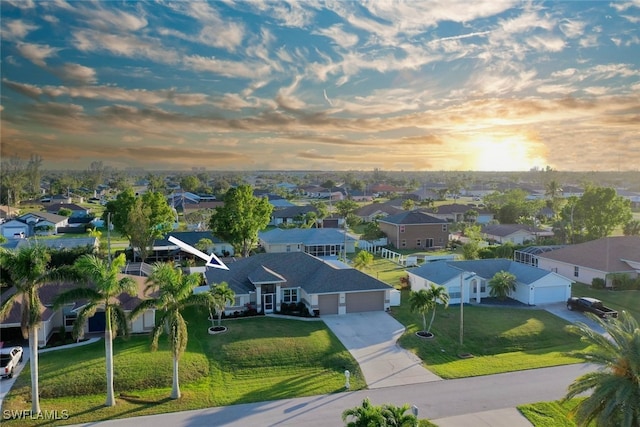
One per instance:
(600, 258)
(33, 223)
(415, 230)
(52, 320)
(517, 234)
(267, 280)
(76, 210)
(373, 211)
(455, 212)
(320, 242)
(163, 249)
(290, 215)
(469, 280)
(58, 244)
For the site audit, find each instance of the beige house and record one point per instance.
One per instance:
(415, 230)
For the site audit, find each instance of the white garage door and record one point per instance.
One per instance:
(328, 304)
(549, 294)
(358, 302)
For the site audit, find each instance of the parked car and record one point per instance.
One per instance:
(591, 305)
(9, 359)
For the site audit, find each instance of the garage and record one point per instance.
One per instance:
(358, 302)
(550, 294)
(328, 304)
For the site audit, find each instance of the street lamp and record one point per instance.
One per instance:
(462, 303)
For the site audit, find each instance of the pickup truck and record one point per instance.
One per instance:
(591, 305)
(9, 359)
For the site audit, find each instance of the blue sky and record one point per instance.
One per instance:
(335, 85)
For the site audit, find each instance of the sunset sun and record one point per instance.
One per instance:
(503, 154)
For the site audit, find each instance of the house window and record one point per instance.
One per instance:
(70, 319)
(576, 271)
(483, 287)
(403, 243)
(288, 248)
(290, 295)
(428, 243)
(402, 228)
(418, 243)
(445, 227)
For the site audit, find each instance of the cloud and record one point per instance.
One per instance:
(37, 53)
(16, 29)
(76, 73)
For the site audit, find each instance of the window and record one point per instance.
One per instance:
(428, 243)
(290, 295)
(483, 286)
(576, 271)
(403, 243)
(418, 243)
(70, 319)
(444, 227)
(402, 228)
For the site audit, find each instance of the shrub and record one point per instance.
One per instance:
(598, 283)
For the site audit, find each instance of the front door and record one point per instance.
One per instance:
(267, 303)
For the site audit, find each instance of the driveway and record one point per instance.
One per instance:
(560, 310)
(371, 339)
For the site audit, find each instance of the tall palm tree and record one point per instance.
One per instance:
(221, 294)
(614, 398)
(174, 294)
(427, 299)
(501, 284)
(102, 286)
(28, 269)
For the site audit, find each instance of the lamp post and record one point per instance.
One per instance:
(462, 304)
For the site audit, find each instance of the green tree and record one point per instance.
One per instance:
(396, 416)
(13, 180)
(470, 250)
(408, 204)
(363, 260)
(322, 210)
(190, 183)
(156, 183)
(502, 284)
(102, 285)
(632, 228)
(118, 210)
(175, 293)
(613, 391)
(65, 212)
(427, 299)
(366, 415)
(28, 271)
(346, 207)
(241, 217)
(33, 174)
(221, 295)
(603, 211)
(204, 245)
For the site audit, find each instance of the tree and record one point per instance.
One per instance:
(346, 207)
(65, 212)
(397, 416)
(322, 210)
(470, 250)
(33, 174)
(94, 175)
(632, 228)
(102, 286)
(190, 183)
(241, 217)
(204, 245)
(28, 270)
(13, 179)
(603, 210)
(408, 204)
(175, 293)
(221, 294)
(427, 299)
(614, 390)
(367, 415)
(363, 260)
(502, 284)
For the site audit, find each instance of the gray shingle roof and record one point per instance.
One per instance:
(305, 236)
(413, 217)
(299, 270)
(607, 254)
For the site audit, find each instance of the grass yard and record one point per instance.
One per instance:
(501, 339)
(550, 414)
(618, 300)
(258, 359)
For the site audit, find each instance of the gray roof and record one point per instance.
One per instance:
(298, 269)
(504, 230)
(189, 237)
(444, 271)
(61, 243)
(54, 218)
(292, 211)
(414, 217)
(305, 236)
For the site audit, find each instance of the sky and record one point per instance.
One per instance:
(412, 85)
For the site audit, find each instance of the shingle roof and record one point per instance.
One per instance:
(504, 230)
(607, 254)
(189, 237)
(305, 236)
(413, 217)
(299, 270)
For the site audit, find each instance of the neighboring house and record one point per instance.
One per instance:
(163, 250)
(290, 215)
(517, 234)
(76, 211)
(369, 213)
(424, 193)
(33, 223)
(571, 191)
(415, 230)
(534, 285)
(62, 243)
(267, 280)
(360, 196)
(53, 320)
(600, 258)
(8, 212)
(380, 188)
(59, 198)
(456, 213)
(320, 242)
(632, 196)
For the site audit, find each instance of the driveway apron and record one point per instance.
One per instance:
(371, 338)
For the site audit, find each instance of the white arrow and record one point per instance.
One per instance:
(210, 259)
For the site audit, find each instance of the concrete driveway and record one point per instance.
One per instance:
(560, 310)
(371, 339)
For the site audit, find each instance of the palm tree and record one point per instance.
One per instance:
(426, 299)
(175, 293)
(367, 415)
(396, 416)
(221, 294)
(102, 286)
(28, 269)
(501, 284)
(614, 398)
(363, 260)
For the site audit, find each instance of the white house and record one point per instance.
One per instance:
(534, 286)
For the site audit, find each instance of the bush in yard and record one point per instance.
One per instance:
(598, 283)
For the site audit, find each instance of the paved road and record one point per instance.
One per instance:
(434, 400)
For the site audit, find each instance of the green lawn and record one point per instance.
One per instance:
(550, 414)
(618, 300)
(258, 359)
